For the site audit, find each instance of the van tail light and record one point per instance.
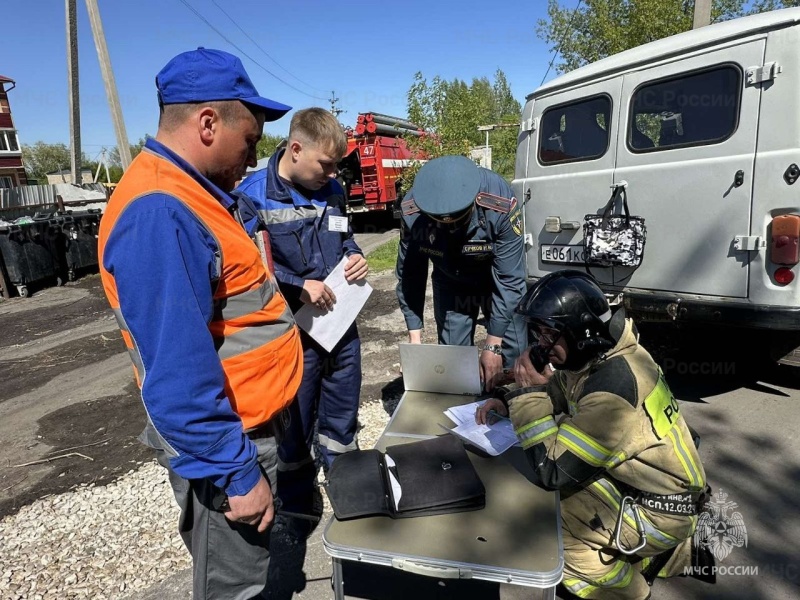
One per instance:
(785, 248)
(784, 276)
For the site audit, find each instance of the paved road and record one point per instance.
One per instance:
(369, 241)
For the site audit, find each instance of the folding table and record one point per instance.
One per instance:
(515, 539)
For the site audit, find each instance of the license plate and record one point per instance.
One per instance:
(562, 253)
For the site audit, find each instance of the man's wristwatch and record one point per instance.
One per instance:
(494, 348)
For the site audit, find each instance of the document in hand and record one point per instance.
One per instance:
(328, 327)
(493, 439)
(429, 477)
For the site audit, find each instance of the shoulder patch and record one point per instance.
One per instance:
(615, 377)
(515, 216)
(490, 201)
(409, 207)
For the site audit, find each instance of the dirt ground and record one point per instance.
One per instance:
(66, 387)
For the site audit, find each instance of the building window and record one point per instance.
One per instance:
(690, 110)
(6, 182)
(8, 141)
(575, 131)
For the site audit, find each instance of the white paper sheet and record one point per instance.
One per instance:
(493, 439)
(397, 491)
(328, 327)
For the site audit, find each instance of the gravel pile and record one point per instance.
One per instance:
(108, 542)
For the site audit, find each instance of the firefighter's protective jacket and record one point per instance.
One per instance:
(621, 421)
(213, 343)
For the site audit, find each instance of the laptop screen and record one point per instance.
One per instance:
(440, 369)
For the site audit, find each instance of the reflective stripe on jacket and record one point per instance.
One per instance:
(252, 328)
(304, 243)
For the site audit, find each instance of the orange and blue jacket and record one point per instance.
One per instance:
(214, 346)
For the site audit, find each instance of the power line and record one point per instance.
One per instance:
(243, 53)
(561, 42)
(257, 45)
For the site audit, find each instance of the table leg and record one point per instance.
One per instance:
(338, 583)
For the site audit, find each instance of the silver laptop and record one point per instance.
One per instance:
(440, 369)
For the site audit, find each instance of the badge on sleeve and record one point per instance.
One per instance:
(337, 224)
(515, 216)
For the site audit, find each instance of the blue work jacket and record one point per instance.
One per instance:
(303, 245)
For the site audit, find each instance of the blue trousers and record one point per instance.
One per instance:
(328, 395)
(456, 313)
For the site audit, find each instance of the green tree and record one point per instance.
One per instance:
(268, 144)
(600, 28)
(42, 158)
(450, 113)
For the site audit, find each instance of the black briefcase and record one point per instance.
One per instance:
(428, 477)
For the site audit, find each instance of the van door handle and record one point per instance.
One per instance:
(738, 179)
(556, 225)
(619, 184)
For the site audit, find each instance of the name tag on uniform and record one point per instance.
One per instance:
(337, 224)
(477, 248)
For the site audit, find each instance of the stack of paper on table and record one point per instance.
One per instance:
(493, 439)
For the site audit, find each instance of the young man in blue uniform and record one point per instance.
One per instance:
(304, 209)
(466, 221)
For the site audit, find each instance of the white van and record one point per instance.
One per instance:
(703, 131)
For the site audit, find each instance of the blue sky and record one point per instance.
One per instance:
(367, 52)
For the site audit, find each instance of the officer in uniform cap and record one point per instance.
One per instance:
(466, 221)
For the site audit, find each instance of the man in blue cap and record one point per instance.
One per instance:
(215, 350)
(466, 221)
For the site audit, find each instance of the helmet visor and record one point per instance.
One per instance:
(544, 336)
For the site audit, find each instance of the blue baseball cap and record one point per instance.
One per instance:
(446, 186)
(206, 75)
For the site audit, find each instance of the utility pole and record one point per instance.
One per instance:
(702, 13)
(110, 83)
(334, 110)
(74, 94)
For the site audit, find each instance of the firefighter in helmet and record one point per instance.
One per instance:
(622, 456)
(465, 220)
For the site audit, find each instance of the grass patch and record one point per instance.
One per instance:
(384, 257)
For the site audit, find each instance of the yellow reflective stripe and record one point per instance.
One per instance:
(619, 577)
(587, 448)
(578, 587)
(685, 457)
(535, 432)
(655, 537)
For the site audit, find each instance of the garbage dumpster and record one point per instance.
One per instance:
(80, 229)
(33, 250)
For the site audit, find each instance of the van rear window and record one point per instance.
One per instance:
(693, 109)
(575, 131)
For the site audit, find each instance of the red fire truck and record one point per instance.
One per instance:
(376, 157)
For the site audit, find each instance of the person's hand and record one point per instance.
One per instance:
(316, 293)
(491, 366)
(526, 375)
(254, 508)
(414, 336)
(492, 404)
(356, 268)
